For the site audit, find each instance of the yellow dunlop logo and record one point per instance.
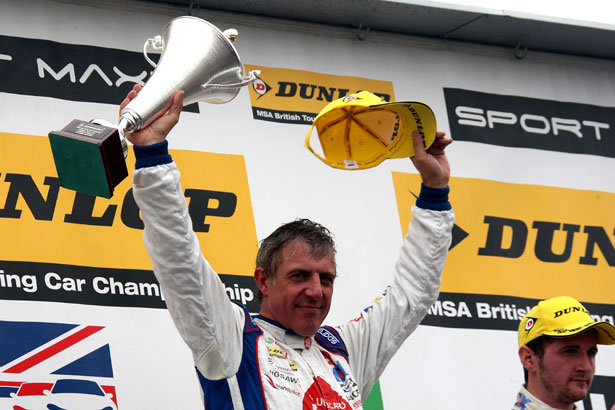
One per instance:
(42, 222)
(524, 240)
(296, 96)
(276, 351)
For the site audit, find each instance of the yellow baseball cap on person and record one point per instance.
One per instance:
(562, 316)
(361, 130)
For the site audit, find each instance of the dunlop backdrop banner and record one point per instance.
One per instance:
(517, 245)
(84, 249)
(297, 96)
(525, 240)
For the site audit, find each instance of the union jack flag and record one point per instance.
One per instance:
(56, 366)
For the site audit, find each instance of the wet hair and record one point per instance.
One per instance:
(318, 238)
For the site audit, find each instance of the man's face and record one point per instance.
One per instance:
(299, 295)
(566, 369)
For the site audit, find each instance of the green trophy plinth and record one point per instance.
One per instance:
(89, 158)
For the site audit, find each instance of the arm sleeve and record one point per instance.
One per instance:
(377, 334)
(210, 324)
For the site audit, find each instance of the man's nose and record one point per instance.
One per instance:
(586, 364)
(313, 286)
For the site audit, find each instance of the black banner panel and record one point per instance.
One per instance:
(52, 282)
(523, 122)
(71, 72)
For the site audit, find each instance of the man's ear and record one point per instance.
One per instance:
(261, 281)
(529, 360)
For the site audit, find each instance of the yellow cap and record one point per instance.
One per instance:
(562, 316)
(361, 130)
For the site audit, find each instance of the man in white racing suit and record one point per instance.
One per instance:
(284, 358)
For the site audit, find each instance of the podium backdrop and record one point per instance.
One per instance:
(532, 188)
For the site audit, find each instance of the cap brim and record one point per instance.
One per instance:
(417, 117)
(604, 330)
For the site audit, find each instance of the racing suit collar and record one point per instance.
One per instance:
(283, 334)
(527, 401)
(275, 323)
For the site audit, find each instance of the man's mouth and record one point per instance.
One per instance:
(581, 379)
(310, 307)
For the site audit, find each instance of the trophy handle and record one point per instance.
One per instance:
(156, 44)
(123, 141)
(249, 79)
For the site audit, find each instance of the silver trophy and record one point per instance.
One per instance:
(195, 56)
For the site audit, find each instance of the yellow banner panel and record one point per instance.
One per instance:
(287, 90)
(525, 240)
(42, 222)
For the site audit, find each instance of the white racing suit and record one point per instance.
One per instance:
(251, 362)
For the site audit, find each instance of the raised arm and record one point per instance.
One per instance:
(206, 319)
(375, 337)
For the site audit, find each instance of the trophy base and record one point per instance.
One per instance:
(89, 158)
